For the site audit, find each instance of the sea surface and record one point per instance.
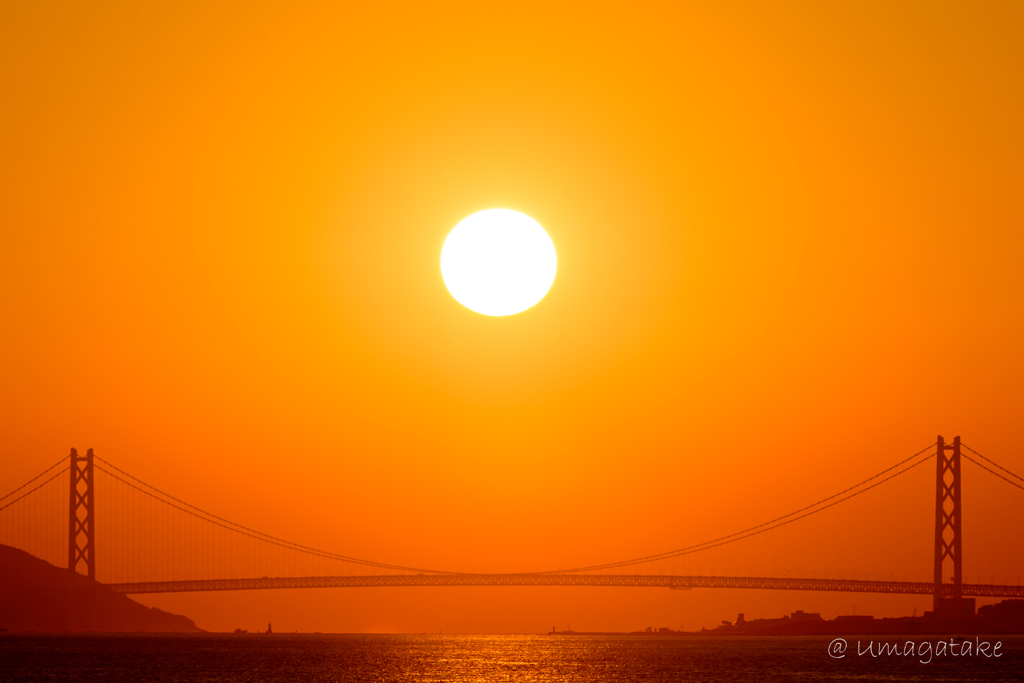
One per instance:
(443, 658)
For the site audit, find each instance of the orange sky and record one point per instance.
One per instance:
(789, 242)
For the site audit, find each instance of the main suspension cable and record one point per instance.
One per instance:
(28, 493)
(746, 533)
(1008, 481)
(990, 461)
(35, 477)
(259, 536)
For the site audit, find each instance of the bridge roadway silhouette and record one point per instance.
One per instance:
(608, 580)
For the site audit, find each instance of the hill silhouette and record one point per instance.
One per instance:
(37, 596)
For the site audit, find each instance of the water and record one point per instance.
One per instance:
(442, 658)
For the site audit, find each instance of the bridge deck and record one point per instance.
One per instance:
(614, 580)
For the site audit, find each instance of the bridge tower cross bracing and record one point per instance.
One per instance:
(82, 514)
(948, 517)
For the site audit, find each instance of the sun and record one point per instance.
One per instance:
(498, 262)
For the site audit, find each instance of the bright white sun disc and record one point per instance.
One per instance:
(498, 262)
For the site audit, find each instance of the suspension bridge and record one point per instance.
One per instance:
(903, 530)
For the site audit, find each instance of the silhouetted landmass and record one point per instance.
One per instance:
(36, 596)
(956, 617)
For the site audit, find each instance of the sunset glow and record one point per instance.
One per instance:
(477, 288)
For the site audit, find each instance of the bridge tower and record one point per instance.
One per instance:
(82, 514)
(948, 537)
